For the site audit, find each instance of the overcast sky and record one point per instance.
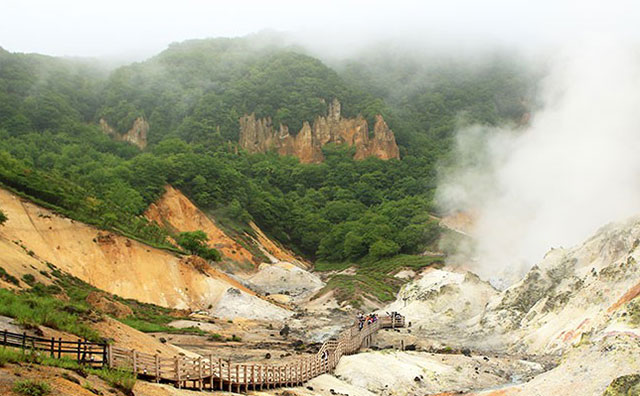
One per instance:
(139, 28)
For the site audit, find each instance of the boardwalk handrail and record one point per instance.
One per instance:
(211, 374)
(83, 351)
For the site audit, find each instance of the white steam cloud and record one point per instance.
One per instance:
(574, 168)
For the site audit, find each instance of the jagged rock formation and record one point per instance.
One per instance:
(136, 135)
(259, 136)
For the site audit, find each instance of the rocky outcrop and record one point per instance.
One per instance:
(259, 136)
(136, 135)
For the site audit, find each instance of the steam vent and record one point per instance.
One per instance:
(259, 136)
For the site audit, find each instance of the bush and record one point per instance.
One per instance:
(29, 279)
(215, 337)
(234, 338)
(3, 218)
(31, 388)
(8, 278)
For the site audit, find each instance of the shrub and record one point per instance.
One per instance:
(31, 388)
(8, 278)
(215, 337)
(29, 279)
(3, 217)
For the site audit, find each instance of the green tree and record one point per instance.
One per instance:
(195, 242)
(354, 246)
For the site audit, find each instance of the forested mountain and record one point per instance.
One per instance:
(193, 94)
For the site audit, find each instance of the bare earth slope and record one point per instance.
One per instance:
(176, 211)
(120, 265)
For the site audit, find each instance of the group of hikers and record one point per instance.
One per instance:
(369, 319)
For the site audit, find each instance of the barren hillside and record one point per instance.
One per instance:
(120, 265)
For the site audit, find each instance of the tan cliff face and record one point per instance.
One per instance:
(136, 135)
(259, 136)
(176, 211)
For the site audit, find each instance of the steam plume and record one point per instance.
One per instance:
(573, 169)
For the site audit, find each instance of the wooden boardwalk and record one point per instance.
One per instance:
(209, 373)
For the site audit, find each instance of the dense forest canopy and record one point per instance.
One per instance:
(193, 93)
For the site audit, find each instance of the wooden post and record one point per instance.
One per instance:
(238, 377)
(24, 340)
(157, 368)
(200, 372)
(135, 364)
(402, 345)
(246, 382)
(85, 343)
(229, 373)
(78, 354)
(253, 376)
(220, 374)
(4, 338)
(177, 358)
(211, 372)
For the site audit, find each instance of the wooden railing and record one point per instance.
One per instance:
(83, 351)
(209, 373)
